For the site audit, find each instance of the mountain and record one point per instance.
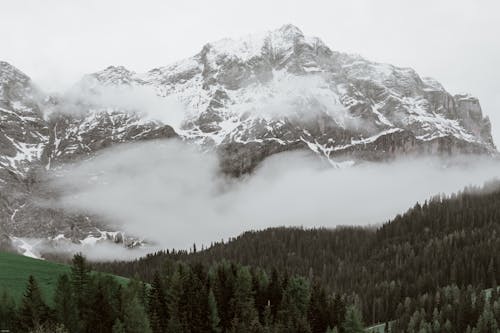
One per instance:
(35, 136)
(281, 90)
(247, 99)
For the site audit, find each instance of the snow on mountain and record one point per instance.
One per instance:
(23, 131)
(282, 90)
(247, 98)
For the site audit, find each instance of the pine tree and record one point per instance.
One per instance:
(318, 310)
(100, 318)
(213, 318)
(246, 317)
(80, 280)
(33, 312)
(157, 306)
(223, 287)
(64, 305)
(135, 319)
(293, 312)
(275, 292)
(353, 322)
(487, 322)
(175, 293)
(338, 311)
(7, 312)
(196, 291)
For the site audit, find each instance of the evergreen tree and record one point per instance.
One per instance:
(353, 322)
(318, 315)
(135, 319)
(487, 322)
(245, 315)
(80, 280)
(175, 294)
(157, 306)
(195, 290)
(100, 318)
(33, 312)
(275, 292)
(8, 313)
(213, 318)
(293, 312)
(64, 305)
(338, 311)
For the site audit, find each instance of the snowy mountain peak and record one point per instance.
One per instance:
(273, 44)
(283, 89)
(290, 30)
(112, 75)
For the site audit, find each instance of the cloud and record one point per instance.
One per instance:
(173, 195)
(99, 251)
(140, 100)
(304, 98)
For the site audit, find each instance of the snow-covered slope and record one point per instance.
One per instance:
(23, 131)
(247, 98)
(282, 90)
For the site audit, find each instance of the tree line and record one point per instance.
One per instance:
(224, 297)
(450, 309)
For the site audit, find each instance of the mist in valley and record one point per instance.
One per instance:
(172, 194)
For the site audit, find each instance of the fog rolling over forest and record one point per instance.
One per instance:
(173, 194)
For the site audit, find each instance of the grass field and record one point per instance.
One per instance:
(15, 270)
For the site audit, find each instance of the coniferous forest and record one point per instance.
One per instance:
(225, 297)
(446, 243)
(433, 269)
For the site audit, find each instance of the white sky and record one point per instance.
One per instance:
(57, 41)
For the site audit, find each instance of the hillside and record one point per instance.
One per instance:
(444, 241)
(15, 270)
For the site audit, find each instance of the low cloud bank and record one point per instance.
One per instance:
(172, 194)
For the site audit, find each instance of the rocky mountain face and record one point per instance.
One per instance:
(37, 134)
(281, 90)
(247, 99)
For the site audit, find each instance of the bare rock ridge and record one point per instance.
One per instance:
(247, 99)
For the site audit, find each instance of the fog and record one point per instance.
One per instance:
(288, 95)
(173, 195)
(141, 100)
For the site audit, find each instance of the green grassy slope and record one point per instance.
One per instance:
(15, 270)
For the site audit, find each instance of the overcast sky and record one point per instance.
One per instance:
(57, 41)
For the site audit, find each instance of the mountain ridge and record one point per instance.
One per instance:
(348, 98)
(247, 99)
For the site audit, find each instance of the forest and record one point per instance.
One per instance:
(445, 242)
(225, 297)
(432, 269)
